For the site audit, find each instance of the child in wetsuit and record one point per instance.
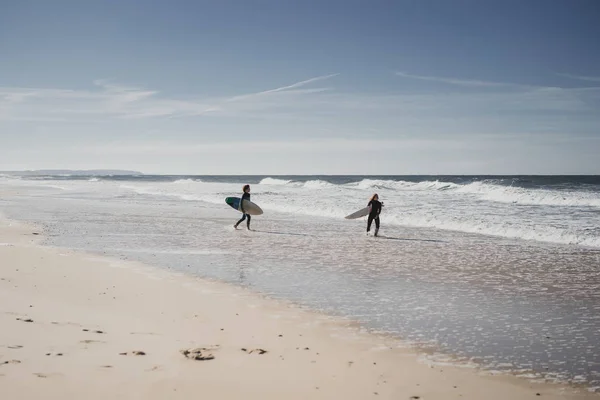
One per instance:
(375, 205)
(245, 196)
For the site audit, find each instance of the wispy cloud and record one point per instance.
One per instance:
(286, 88)
(455, 81)
(123, 93)
(245, 146)
(303, 107)
(581, 78)
(128, 102)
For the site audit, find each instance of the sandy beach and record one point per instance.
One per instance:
(80, 326)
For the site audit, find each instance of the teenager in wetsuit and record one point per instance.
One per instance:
(375, 205)
(245, 196)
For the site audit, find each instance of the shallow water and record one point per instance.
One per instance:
(506, 303)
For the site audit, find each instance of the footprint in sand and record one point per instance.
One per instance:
(255, 351)
(65, 323)
(87, 330)
(47, 375)
(89, 341)
(11, 362)
(133, 353)
(199, 353)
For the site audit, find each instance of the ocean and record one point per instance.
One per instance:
(502, 272)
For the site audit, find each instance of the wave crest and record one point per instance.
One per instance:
(318, 184)
(542, 197)
(404, 185)
(185, 181)
(274, 181)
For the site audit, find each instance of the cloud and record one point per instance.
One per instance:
(284, 88)
(126, 102)
(463, 153)
(16, 97)
(518, 89)
(454, 81)
(122, 93)
(297, 110)
(322, 145)
(581, 78)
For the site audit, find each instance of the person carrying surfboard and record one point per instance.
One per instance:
(245, 196)
(375, 205)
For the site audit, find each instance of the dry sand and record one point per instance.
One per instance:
(71, 324)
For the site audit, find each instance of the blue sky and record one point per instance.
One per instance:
(301, 87)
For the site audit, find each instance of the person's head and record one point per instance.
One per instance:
(246, 188)
(375, 197)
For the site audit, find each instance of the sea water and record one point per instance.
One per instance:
(501, 271)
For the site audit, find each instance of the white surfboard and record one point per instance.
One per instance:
(249, 207)
(360, 213)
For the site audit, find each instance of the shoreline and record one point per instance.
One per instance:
(161, 312)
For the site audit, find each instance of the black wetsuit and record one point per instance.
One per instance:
(374, 215)
(245, 196)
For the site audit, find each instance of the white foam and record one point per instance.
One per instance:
(274, 181)
(403, 185)
(159, 191)
(517, 195)
(186, 181)
(495, 227)
(486, 208)
(318, 184)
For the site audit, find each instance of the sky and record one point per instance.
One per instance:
(301, 86)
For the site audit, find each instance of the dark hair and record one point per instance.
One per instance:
(374, 195)
(246, 187)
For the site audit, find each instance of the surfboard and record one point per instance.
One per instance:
(360, 213)
(249, 207)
